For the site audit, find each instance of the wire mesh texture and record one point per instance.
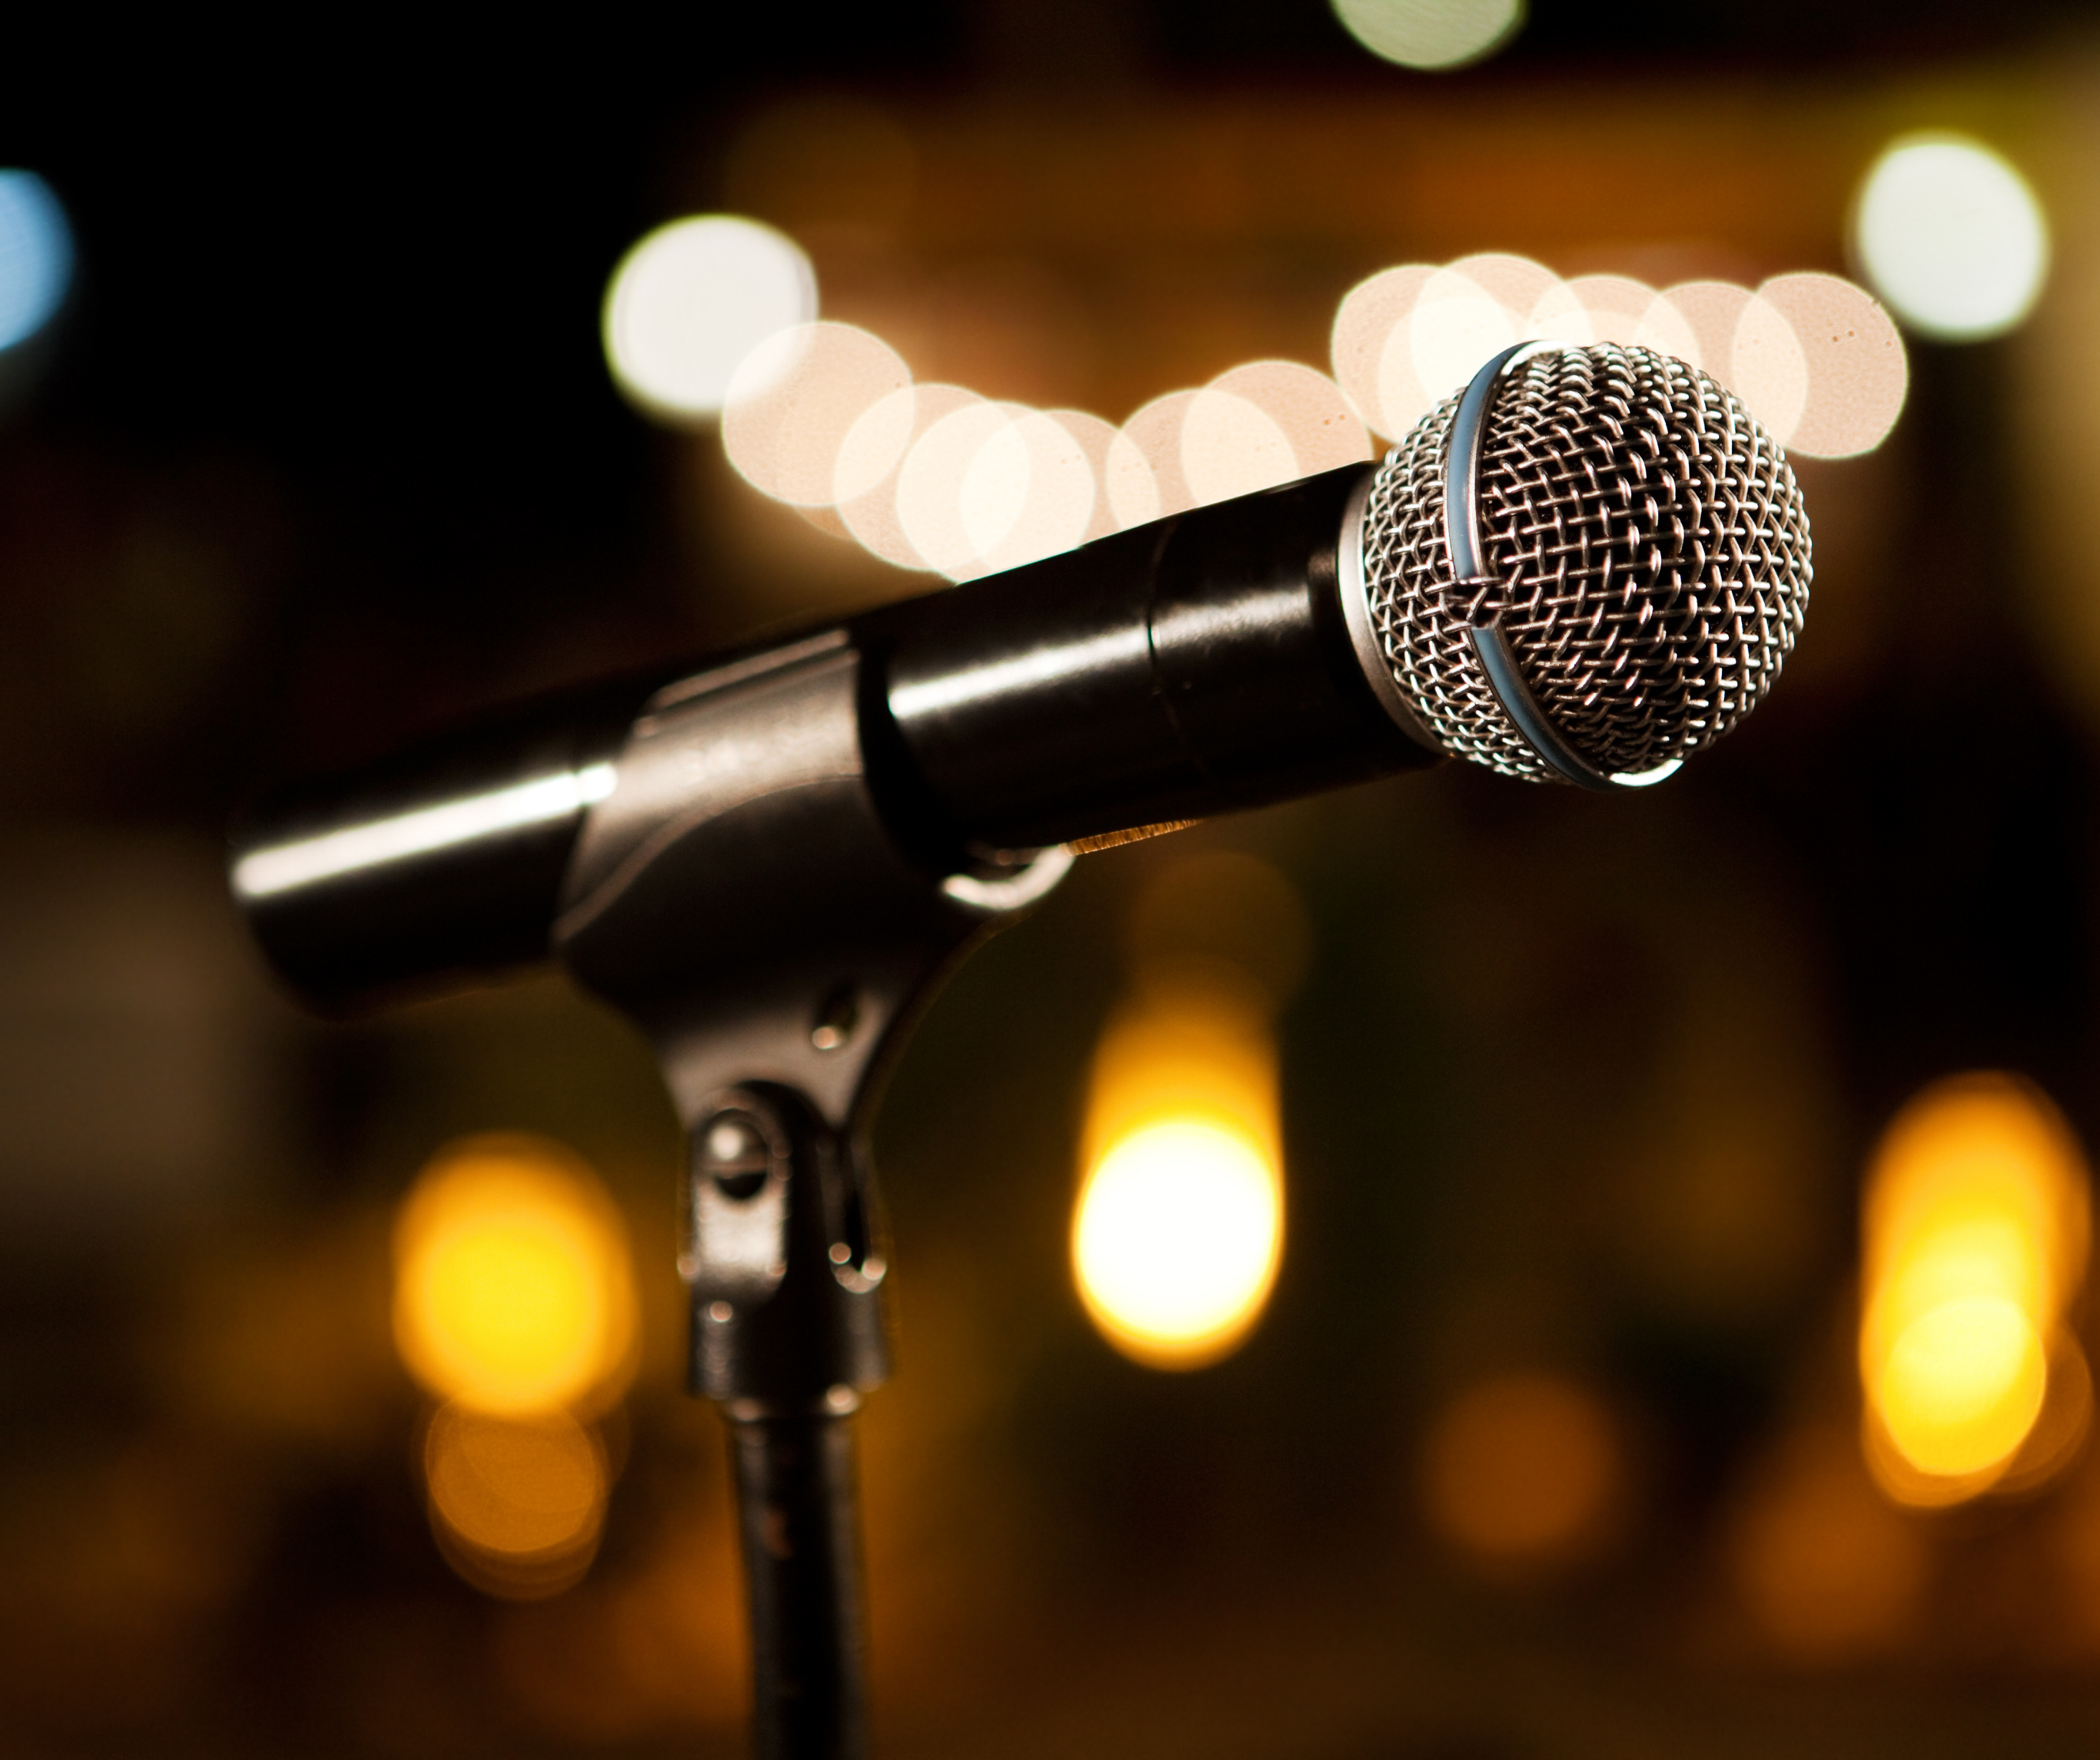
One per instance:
(1649, 551)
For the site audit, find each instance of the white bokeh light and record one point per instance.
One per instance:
(869, 477)
(689, 303)
(796, 397)
(1952, 237)
(1264, 424)
(1144, 479)
(1431, 33)
(1096, 439)
(1055, 490)
(1768, 369)
(1611, 308)
(1230, 445)
(1370, 316)
(1711, 311)
(1457, 326)
(1854, 373)
(962, 485)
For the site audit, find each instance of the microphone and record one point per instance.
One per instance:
(1587, 566)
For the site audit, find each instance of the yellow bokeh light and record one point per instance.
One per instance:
(1977, 1220)
(1175, 1241)
(516, 1503)
(513, 1289)
(1966, 1378)
(1178, 1228)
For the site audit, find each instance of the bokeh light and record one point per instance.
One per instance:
(1826, 1569)
(513, 1289)
(1033, 491)
(794, 398)
(36, 256)
(962, 485)
(1611, 308)
(1431, 33)
(1266, 423)
(1176, 1239)
(1768, 369)
(1854, 373)
(1814, 357)
(1518, 284)
(1144, 479)
(1710, 312)
(826, 417)
(1373, 314)
(1976, 1228)
(516, 1503)
(1816, 360)
(1467, 313)
(1950, 236)
(866, 478)
(1230, 445)
(1097, 440)
(1522, 1470)
(690, 300)
(1178, 1231)
(987, 487)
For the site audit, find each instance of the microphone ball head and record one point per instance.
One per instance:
(1644, 547)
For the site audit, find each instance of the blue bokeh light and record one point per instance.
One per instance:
(36, 256)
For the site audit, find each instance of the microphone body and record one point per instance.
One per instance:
(1197, 666)
(1587, 565)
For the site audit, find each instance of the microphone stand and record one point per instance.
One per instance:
(771, 940)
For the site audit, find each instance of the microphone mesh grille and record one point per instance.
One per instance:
(1649, 550)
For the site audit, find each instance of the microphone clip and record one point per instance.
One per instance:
(740, 896)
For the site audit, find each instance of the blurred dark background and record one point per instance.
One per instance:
(323, 453)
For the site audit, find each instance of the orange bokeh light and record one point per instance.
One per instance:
(1522, 1470)
(517, 1503)
(1828, 1571)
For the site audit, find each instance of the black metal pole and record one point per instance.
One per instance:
(786, 1278)
(798, 1520)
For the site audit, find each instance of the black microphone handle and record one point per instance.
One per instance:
(1197, 666)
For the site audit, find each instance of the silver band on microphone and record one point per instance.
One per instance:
(1363, 632)
(1471, 582)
